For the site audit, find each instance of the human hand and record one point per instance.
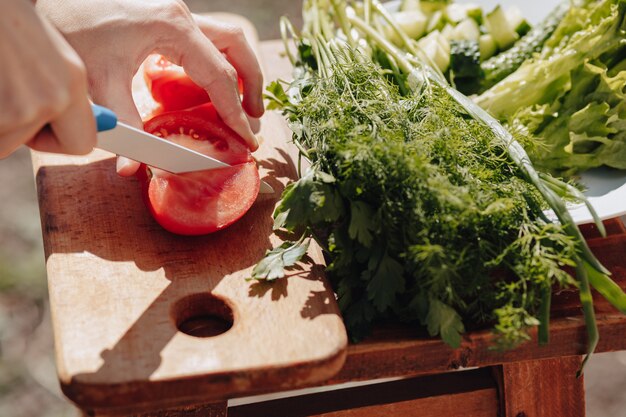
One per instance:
(113, 37)
(43, 87)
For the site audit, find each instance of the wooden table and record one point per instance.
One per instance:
(130, 303)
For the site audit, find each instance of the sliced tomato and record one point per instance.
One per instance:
(171, 86)
(200, 202)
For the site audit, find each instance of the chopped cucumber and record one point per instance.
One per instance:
(410, 5)
(465, 59)
(501, 29)
(455, 13)
(523, 28)
(436, 22)
(466, 29)
(448, 31)
(465, 71)
(476, 13)
(437, 48)
(430, 7)
(517, 20)
(413, 22)
(487, 46)
(501, 65)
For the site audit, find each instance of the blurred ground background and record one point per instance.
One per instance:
(28, 385)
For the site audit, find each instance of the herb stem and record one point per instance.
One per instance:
(383, 43)
(589, 314)
(544, 315)
(608, 288)
(286, 29)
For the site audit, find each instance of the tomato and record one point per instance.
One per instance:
(171, 86)
(202, 202)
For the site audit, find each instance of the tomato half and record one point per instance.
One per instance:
(202, 202)
(171, 86)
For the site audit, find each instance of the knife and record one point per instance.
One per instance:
(122, 139)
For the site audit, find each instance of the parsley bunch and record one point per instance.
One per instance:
(429, 211)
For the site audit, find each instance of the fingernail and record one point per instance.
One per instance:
(254, 144)
(246, 132)
(255, 124)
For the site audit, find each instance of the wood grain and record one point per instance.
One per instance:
(205, 410)
(544, 388)
(116, 282)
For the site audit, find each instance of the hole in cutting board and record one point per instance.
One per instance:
(202, 315)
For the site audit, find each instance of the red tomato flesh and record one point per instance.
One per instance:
(171, 86)
(202, 202)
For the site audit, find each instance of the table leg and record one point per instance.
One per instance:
(542, 388)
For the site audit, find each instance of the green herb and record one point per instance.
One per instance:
(429, 210)
(276, 260)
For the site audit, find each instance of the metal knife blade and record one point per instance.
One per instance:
(154, 151)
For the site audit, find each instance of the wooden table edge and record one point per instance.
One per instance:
(115, 398)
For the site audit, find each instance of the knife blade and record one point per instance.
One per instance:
(121, 139)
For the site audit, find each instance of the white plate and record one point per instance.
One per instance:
(606, 188)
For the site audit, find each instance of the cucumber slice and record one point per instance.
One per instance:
(448, 31)
(466, 29)
(523, 28)
(410, 5)
(487, 46)
(437, 48)
(500, 66)
(517, 20)
(455, 13)
(430, 7)
(465, 59)
(501, 29)
(476, 13)
(465, 71)
(412, 22)
(436, 22)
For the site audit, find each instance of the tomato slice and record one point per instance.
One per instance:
(171, 86)
(202, 202)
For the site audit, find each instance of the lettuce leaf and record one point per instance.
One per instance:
(585, 128)
(571, 96)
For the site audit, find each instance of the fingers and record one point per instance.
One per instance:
(72, 132)
(44, 141)
(73, 124)
(255, 124)
(208, 68)
(115, 92)
(11, 139)
(76, 127)
(46, 85)
(231, 40)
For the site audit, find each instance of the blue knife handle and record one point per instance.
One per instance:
(105, 118)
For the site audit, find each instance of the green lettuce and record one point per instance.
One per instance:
(571, 96)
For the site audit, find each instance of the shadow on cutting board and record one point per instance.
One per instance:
(91, 209)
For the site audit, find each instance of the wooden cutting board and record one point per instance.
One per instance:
(122, 288)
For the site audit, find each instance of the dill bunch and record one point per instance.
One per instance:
(429, 211)
(420, 208)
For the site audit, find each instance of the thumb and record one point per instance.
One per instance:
(119, 98)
